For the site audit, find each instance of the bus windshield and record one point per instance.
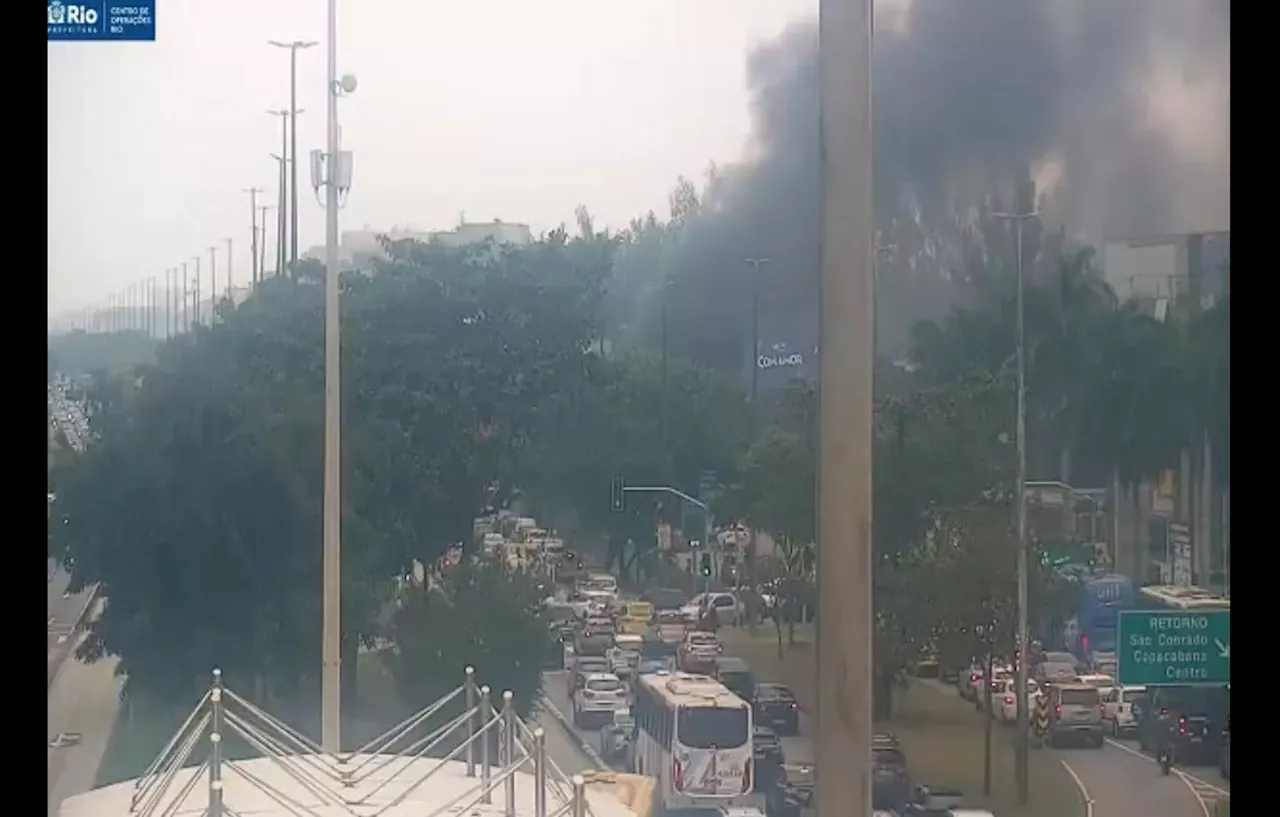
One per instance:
(703, 727)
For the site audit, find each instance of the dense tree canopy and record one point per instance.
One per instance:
(475, 377)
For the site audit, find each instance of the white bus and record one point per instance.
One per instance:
(694, 737)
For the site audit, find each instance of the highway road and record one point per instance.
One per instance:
(1123, 782)
(83, 699)
(63, 610)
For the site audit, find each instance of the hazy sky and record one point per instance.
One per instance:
(496, 108)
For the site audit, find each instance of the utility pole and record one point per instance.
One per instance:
(293, 145)
(281, 205)
(1020, 497)
(196, 293)
(847, 326)
(336, 178)
(253, 230)
(231, 291)
(213, 283)
(185, 324)
(168, 304)
(262, 246)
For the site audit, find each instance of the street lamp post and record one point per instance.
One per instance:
(263, 209)
(1020, 771)
(337, 178)
(253, 228)
(293, 142)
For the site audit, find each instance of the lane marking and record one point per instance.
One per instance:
(1084, 792)
(1195, 792)
(1218, 790)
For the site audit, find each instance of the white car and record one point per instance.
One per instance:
(601, 694)
(1117, 709)
(728, 608)
(1005, 705)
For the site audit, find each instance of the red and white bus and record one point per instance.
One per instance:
(694, 737)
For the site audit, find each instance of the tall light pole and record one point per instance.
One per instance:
(253, 228)
(195, 296)
(847, 328)
(293, 143)
(213, 282)
(231, 291)
(282, 200)
(1020, 497)
(336, 175)
(263, 209)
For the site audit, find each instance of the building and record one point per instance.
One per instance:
(1171, 276)
(1160, 272)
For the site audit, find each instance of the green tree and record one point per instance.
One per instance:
(477, 614)
(198, 510)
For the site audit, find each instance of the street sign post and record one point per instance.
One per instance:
(1174, 648)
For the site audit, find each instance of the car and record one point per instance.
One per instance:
(1007, 709)
(601, 694)
(792, 796)
(1117, 709)
(1192, 719)
(699, 652)
(671, 627)
(728, 608)
(767, 748)
(1075, 712)
(583, 666)
(776, 706)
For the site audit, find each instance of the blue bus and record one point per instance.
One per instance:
(1097, 616)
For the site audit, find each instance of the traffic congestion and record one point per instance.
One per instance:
(627, 669)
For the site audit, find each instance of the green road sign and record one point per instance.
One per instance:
(1173, 648)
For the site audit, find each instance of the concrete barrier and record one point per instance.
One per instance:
(70, 645)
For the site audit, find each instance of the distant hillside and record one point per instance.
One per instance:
(79, 353)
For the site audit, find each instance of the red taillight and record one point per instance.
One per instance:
(677, 775)
(1008, 699)
(973, 677)
(1102, 708)
(1182, 726)
(1057, 710)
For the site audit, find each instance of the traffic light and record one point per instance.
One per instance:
(617, 495)
(706, 564)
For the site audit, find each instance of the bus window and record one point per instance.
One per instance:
(704, 727)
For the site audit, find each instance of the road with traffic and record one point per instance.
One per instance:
(1123, 782)
(1120, 780)
(82, 703)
